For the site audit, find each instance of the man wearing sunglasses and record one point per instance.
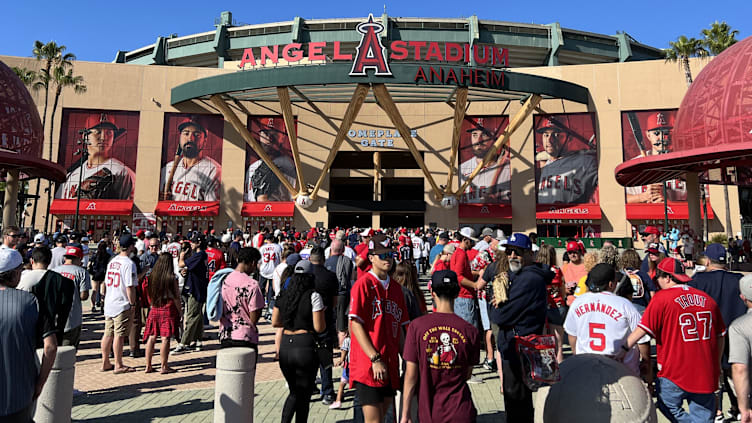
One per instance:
(377, 315)
(523, 314)
(11, 235)
(574, 270)
(651, 235)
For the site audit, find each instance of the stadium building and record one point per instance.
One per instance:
(376, 121)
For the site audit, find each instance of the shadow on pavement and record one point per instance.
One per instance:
(144, 415)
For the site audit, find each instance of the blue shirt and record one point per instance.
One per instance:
(435, 251)
(18, 370)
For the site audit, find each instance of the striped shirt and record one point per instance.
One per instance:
(18, 363)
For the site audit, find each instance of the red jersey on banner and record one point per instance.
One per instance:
(687, 325)
(215, 261)
(382, 312)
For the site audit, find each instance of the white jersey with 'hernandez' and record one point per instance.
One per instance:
(200, 182)
(602, 322)
(122, 186)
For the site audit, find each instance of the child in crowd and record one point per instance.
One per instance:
(344, 362)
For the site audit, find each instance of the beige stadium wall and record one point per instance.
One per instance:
(613, 88)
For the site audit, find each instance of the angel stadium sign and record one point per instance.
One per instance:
(372, 56)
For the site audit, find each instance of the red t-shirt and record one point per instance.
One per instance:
(460, 265)
(382, 313)
(215, 260)
(444, 346)
(362, 251)
(687, 326)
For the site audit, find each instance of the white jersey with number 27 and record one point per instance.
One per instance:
(602, 322)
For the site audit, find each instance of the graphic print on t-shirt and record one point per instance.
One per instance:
(441, 352)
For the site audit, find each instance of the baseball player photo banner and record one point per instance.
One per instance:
(260, 183)
(107, 171)
(493, 184)
(194, 142)
(566, 163)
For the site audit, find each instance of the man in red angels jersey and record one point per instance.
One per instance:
(689, 329)
(196, 177)
(377, 315)
(215, 259)
(361, 260)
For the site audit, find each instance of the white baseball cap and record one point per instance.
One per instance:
(39, 238)
(9, 259)
(468, 232)
(226, 238)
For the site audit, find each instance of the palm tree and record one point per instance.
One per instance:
(681, 50)
(716, 39)
(53, 55)
(27, 76)
(719, 37)
(63, 77)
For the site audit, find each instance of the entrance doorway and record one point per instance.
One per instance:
(348, 220)
(407, 220)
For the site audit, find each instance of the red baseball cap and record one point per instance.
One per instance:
(367, 232)
(573, 246)
(551, 124)
(141, 232)
(651, 230)
(103, 120)
(402, 239)
(74, 251)
(659, 120)
(674, 268)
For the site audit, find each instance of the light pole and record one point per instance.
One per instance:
(84, 152)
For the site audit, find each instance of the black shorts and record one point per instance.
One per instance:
(369, 395)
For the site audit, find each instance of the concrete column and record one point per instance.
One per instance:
(376, 220)
(56, 401)
(234, 385)
(693, 202)
(11, 198)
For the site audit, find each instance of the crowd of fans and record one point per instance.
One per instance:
(358, 292)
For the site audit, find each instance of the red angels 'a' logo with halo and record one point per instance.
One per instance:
(370, 53)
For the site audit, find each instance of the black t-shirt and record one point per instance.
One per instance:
(54, 294)
(328, 287)
(303, 318)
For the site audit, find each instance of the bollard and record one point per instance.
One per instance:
(56, 401)
(233, 386)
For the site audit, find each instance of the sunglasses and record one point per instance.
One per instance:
(514, 250)
(573, 252)
(385, 256)
(14, 235)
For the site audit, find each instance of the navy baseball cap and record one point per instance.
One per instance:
(444, 235)
(127, 240)
(444, 283)
(715, 252)
(293, 259)
(519, 240)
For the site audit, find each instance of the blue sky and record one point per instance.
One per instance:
(96, 30)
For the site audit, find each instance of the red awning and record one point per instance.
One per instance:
(655, 211)
(495, 211)
(93, 207)
(187, 208)
(268, 208)
(579, 211)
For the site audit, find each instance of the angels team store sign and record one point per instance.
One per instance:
(371, 54)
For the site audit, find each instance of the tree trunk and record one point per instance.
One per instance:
(51, 184)
(687, 71)
(39, 180)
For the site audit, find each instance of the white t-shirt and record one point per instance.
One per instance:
(121, 274)
(602, 322)
(349, 253)
(29, 278)
(305, 253)
(271, 255)
(277, 277)
(417, 247)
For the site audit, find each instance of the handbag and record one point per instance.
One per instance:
(538, 358)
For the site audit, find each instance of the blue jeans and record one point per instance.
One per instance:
(670, 399)
(467, 308)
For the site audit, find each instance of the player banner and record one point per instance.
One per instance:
(566, 165)
(493, 184)
(194, 142)
(109, 171)
(260, 183)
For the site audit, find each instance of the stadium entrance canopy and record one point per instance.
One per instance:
(372, 76)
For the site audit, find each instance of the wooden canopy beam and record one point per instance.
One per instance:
(358, 97)
(527, 109)
(292, 135)
(229, 115)
(388, 105)
(459, 116)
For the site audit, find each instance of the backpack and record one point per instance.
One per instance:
(214, 294)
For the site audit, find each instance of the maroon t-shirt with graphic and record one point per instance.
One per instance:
(445, 347)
